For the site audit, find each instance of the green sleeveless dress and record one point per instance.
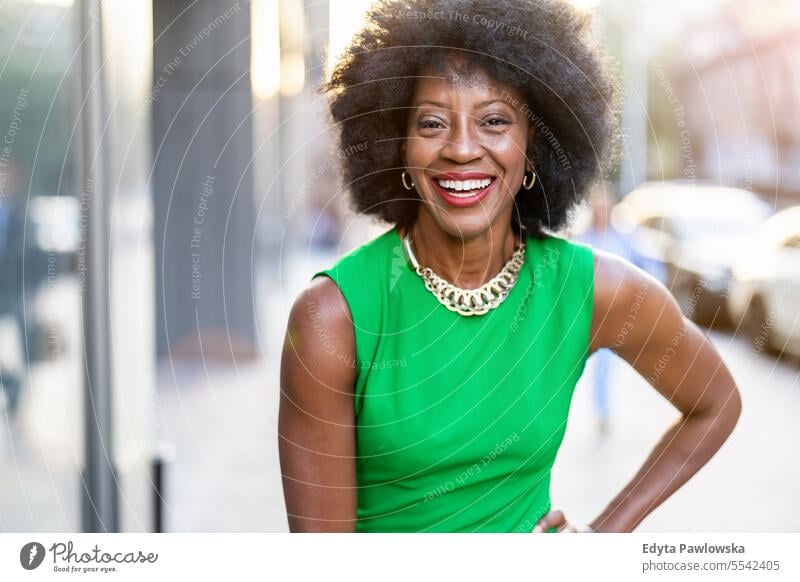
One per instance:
(459, 418)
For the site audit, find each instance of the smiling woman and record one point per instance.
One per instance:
(481, 138)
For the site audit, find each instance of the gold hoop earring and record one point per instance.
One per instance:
(525, 178)
(405, 185)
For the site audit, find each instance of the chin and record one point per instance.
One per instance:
(466, 227)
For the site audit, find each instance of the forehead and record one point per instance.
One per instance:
(462, 82)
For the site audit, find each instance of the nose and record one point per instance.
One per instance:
(462, 144)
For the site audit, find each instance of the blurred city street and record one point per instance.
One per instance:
(170, 181)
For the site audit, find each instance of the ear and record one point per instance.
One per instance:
(403, 152)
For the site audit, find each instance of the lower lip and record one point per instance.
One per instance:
(461, 201)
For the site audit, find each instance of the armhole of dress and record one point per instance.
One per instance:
(588, 284)
(591, 286)
(357, 399)
(582, 278)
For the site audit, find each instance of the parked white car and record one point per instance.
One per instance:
(697, 231)
(764, 298)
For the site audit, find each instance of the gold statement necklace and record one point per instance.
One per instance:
(471, 301)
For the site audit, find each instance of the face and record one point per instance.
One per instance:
(466, 150)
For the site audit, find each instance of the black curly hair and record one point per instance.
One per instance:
(541, 48)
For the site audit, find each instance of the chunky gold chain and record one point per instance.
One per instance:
(471, 301)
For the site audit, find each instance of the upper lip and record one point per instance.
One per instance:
(461, 176)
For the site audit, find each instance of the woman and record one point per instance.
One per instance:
(426, 377)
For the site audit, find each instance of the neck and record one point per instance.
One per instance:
(465, 262)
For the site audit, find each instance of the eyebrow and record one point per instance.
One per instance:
(444, 106)
(490, 101)
(434, 103)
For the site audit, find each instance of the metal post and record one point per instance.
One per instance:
(99, 499)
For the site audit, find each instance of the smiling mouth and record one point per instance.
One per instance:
(463, 188)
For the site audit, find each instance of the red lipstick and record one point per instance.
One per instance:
(457, 199)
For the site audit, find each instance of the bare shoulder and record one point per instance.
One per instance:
(628, 303)
(614, 280)
(322, 305)
(319, 348)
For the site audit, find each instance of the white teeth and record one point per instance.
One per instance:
(465, 185)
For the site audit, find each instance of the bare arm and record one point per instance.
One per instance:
(316, 424)
(637, 317)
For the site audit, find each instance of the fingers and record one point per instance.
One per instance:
(554, 518)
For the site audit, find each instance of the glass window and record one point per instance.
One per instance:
(41, 440)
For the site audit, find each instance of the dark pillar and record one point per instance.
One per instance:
(202, 182)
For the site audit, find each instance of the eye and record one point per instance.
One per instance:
(429, 124)
(496, 121)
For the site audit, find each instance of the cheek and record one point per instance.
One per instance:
(510, 155)
(510, 147)
(420, 151)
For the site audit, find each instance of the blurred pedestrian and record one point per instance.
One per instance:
(12, 288)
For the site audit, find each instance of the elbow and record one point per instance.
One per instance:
(725, 413)
(734, 407)
(721, 414)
